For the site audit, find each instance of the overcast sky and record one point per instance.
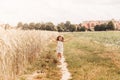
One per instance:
(76, 11)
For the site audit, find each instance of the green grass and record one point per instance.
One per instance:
(91, 60)
(110, 37)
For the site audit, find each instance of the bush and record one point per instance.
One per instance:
(81, 29)
(110, 26)
(101, 27)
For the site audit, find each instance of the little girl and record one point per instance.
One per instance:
(60, 48)
(60, 40)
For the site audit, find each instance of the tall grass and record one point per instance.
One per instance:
(19, 48)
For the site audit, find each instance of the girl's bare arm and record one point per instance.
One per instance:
(67, 39)
(53, 40)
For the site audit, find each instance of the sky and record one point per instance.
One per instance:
(56, 11)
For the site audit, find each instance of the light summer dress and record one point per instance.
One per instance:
(60, 47)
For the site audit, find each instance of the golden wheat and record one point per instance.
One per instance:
(18, 48)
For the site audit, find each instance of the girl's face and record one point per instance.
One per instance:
(60, 38)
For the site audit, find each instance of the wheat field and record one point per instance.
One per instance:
(18, 48)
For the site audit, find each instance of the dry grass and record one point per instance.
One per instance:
(19, 48)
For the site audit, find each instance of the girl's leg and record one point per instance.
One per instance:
(59, 55)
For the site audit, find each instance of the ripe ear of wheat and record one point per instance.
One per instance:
(19, 48)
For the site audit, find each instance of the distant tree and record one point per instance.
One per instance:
(61, 27)
(97, 28)
(37, 26)
(110, 26)
(67, 26)
(50, 26)
(72, 28)
(25, 26)
(78, 28)
(89, 29)
(32, 25)
(43, 26)
(82, 28)
(20, 25)
(101, 27)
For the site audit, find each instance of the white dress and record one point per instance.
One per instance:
(60, 47)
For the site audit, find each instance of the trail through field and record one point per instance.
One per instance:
(64, 70)
(37, 75)
(66, 75)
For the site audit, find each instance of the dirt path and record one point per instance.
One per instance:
(64, 70)
(37, 76)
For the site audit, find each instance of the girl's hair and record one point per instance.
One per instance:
(62, 38)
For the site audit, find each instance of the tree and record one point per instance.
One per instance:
(32, 25)
(78, 28)
(67, 26)
(101, 27)
(50, 26)
(37, 26)
(43, 26)
(89, 29)
(97, 28)
(72, 28)
(20, 25)
(82, 28)
(25, 26)
(110, 26)
(61, 27)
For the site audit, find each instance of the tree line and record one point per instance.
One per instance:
(104, 27)
(64, 27)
